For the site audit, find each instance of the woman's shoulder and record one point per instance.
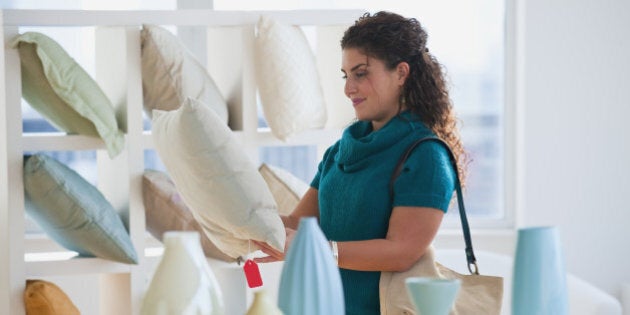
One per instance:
(332, 150)
(429, 145)
(426, 147)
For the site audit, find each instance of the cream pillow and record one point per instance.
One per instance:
(170, 74)
(286, 189)
(215, 178)
(287, 79)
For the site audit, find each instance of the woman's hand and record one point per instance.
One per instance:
(307, 207)
(272, 253)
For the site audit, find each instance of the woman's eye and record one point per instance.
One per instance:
(356, 75)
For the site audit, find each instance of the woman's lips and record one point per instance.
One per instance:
(357, 101)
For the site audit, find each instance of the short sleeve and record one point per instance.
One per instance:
(427, 178)
(315, 181)
(326, 159)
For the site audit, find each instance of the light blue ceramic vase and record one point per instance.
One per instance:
(310, 283)
(539, 281)
(432, 296)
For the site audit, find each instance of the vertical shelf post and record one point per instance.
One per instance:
(12, 270)
(235, 79)
(118, 72)
(249, 103)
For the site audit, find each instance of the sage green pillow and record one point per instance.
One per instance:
(73, 212)
(62, 92)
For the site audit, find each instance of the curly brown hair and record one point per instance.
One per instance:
(393, 39)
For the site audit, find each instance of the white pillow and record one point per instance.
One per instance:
(287, 78)
(215, 178)
(287, 189)
(170, 74)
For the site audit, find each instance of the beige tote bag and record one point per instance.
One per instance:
(478, 295)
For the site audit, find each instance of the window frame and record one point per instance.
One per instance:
(512, 135)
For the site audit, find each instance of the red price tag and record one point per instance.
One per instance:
(252, 274)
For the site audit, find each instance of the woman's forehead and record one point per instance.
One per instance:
(353, 58)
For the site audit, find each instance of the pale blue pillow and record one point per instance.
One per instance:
(73, 212)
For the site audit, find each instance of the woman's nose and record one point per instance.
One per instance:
(349, 87)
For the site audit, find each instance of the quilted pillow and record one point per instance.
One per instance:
(287, 79)
(166, 211)
(170, 74)
(286, 189)
(73, 212)
(215, 178)
(46, 298)
(59, 89)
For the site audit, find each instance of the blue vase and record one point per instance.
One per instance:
(310, 283)
(539, 280)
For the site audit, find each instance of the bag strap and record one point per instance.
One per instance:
(470, 254)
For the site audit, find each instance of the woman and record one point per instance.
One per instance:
(399, 95)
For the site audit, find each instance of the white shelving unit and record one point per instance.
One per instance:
(118, 73)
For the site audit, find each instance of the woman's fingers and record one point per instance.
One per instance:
(266, 247)
(273, 254)
(266, 259)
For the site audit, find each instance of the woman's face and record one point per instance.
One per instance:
(373, 89)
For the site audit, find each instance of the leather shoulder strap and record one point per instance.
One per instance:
(470, 255)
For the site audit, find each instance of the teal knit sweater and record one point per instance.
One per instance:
(354, 201)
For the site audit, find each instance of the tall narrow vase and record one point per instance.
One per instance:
(432, 296)
(183, 283)
(310, 283)
(539, 286)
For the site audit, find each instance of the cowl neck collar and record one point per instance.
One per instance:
(359, 144)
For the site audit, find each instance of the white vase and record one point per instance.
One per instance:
(263, 305)
(183, 283)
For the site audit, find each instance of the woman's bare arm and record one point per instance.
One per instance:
(307, 207)
(411, 231)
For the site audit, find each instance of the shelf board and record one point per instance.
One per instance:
(59, 141)
(171, 17)
(45, 257)
(264, 137)
(74, 266)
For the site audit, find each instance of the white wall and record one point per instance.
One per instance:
(577, 123)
